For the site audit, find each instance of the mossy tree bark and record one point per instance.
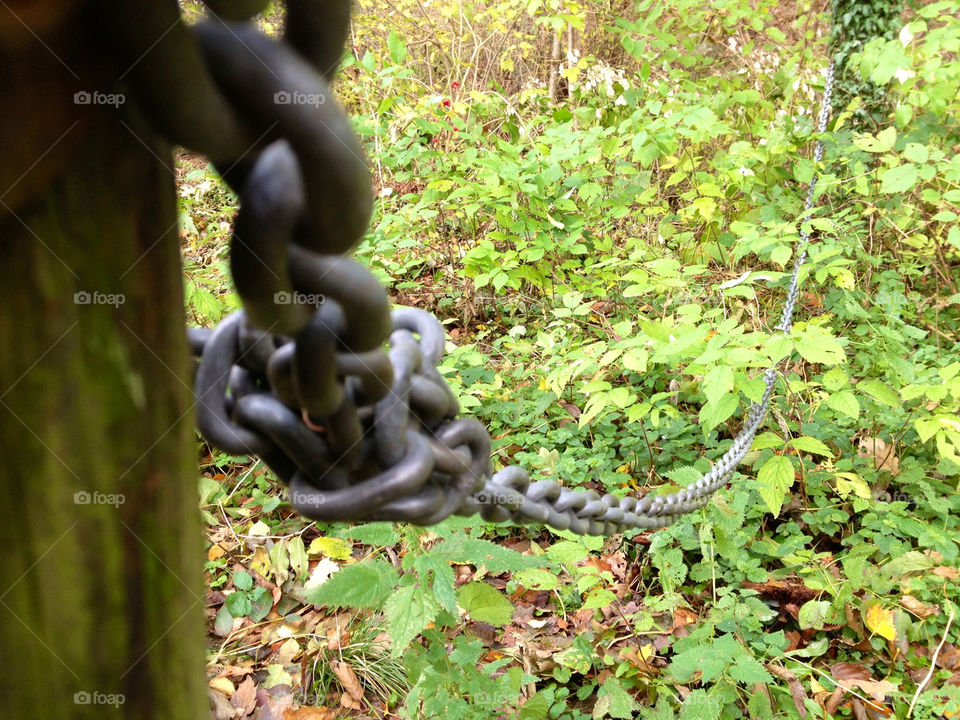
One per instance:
(101, 598)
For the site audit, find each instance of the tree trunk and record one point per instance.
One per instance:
(101, 598)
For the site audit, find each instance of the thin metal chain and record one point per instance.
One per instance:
(303, 379)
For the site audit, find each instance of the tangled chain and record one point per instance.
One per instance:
(338, 395)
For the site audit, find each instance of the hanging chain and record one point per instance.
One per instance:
(336, 393)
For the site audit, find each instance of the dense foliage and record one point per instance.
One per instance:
(609, 268)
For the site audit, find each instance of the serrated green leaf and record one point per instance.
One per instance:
(811, 445)
(599, 598)
(397, 48)
(409, 610)
(497, 559)
(614, 701)
(775, 478)
(567, 552)
(712, 414)
(845, 402)
(819, 348)
(881, 392)
(835, 379)
(700, 706)
(717, 383)
(363, 585)
(427, 565)
(484, 603)
(378, 534)
(813, 614)
(748, 671)
(537, 579)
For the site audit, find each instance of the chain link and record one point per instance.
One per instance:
(339, 395)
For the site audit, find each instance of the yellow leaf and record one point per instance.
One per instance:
(261, 561)
(880, 621)
(334, 548)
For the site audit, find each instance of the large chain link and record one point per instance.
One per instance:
(339, 395)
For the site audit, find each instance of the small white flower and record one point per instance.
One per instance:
(745, 171)
(621, 100)
(386, 192)
(905, 35)
(763, 141)
(902, 74)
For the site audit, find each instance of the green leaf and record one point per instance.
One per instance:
(379, 534)
(845, 402)
(242, 580)
(409, 610)
(835, 379)
(813, 614)
(443, 579)
(484, 603)
(700, 706)
(363, 585)
(880, 392)
(811, 445)
(537, 579)
(899, 179)
(882, 142)
(261, 603)
(748, 671)
(238, 603)
(717, 383)
(614, 701)
(599, 598)
(497, 559)
(398, 50)
(298, 556)
(775, 478)
(712, 414)
(635, 360)
(567, 552)
(705, 660)
(223, 623)
(819, 348)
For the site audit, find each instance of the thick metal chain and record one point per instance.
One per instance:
(337, 394)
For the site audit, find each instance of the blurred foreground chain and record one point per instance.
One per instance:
(337, 394)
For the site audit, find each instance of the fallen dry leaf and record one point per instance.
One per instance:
(944, 571)
(245, 697)
(221, 707)
(882, 454)
(348, 679)
(797, 693)
(310, 713)
(918, 608)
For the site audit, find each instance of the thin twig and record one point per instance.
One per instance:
(933, 664)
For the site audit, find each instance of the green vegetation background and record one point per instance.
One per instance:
(609, 264)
